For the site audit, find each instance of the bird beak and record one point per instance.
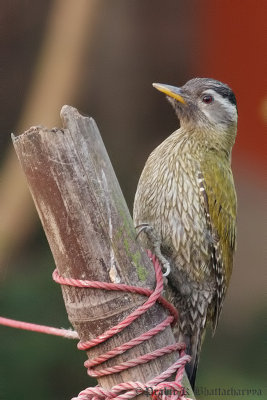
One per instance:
(171, 91)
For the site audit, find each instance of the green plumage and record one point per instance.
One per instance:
(221, 198)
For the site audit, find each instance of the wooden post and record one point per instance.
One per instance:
(91, 235)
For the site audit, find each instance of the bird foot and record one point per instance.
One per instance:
(155, 244)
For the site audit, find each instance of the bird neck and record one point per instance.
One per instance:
(205, 140)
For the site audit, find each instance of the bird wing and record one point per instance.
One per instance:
(219, 199)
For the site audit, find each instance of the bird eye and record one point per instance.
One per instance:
(207, 99)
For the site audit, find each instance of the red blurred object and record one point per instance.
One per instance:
(234, 30)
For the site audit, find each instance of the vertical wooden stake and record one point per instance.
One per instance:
(91, 235)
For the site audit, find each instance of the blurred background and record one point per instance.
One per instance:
(102, 56)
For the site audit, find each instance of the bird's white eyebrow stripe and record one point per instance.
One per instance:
(223, 100)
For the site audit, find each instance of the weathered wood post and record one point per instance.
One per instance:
(91, 235)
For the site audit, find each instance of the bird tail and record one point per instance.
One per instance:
(193, 347)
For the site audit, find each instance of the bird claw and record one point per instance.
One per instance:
(155, 242)
(143, 226)
(167, 267)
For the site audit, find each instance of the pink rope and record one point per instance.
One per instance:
(128, 390)
(49, 330)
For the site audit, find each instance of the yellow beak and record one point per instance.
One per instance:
(171, 91)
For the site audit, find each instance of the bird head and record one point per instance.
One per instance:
(206, 105)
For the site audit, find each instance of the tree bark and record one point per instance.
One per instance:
(91, 236)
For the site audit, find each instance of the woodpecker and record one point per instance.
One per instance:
(185, 207)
